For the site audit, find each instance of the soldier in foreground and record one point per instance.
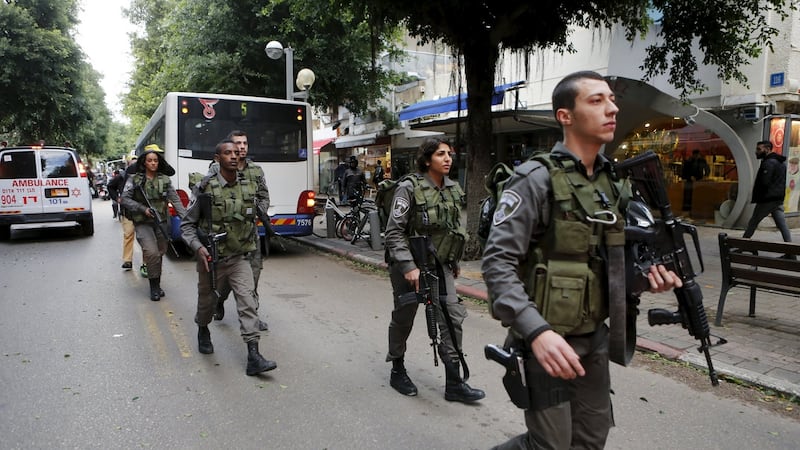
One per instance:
(219, 227)
(546, 268)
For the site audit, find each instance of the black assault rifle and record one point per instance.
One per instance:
(159, 225)
(651, 241)
(210, 242)
(428, 288)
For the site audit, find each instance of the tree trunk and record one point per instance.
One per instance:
(480, 60)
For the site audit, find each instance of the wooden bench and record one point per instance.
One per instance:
(744, 262)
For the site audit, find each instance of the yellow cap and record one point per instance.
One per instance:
(153, 147)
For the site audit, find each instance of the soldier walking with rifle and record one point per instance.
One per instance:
(424, 243)
(145, 197)
(219, 227)
(254, 174)
(554, 267)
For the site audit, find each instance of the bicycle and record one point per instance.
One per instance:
(338, 216)
(353, 224)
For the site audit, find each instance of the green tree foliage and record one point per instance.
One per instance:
(201, 46)
(47, 91)
(727, 32)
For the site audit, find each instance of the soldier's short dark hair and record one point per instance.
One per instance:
(220, 144)
(765, 144)
(567, 89)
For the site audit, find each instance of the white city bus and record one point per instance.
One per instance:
(188, 126)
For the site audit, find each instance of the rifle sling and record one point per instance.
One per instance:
(448, 319)
(622, 335)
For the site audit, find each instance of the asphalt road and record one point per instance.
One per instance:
(88, 361)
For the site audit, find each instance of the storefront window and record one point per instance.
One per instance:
(792, 199)
(700, 173)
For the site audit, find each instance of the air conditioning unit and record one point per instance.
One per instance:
(751, 113)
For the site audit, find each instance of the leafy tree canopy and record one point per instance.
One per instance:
(47, 91)
(727, 32)
(202, 46)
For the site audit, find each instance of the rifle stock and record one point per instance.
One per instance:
(661, 241)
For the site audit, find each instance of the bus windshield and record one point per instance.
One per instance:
(275, 132)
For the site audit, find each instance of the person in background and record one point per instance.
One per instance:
(150, 183)
(128, 230)
(548, 287)
(377, 177)
(223, 202)
(769, 190)
(115, 187)
(694, 169)
(354, 181)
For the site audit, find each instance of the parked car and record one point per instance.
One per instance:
(43, 184)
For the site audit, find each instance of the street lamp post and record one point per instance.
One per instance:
(305, 78)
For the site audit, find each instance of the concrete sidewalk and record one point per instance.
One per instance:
(763, 350)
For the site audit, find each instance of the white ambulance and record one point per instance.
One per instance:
(43, 184)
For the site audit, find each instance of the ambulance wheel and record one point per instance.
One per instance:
(87, 227)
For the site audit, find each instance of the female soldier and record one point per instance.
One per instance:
(151, 184)
(428, 203)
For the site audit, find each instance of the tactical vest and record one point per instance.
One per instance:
(438, 215)
(233, 212)
(155, 190)
(565, 274)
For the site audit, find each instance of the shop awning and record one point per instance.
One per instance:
(321, 143)
(451, 103)
(355, 140)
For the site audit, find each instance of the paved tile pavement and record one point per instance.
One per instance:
(763, 350)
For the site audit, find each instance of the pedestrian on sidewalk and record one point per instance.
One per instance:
(547, 275)
(224, 204)
(769, 190)
(440, 220)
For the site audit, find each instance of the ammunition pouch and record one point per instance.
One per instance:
(450, 246)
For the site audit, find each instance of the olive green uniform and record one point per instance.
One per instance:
(159, 191)
(233, 212)
(521, 225)
(255, 175)
(401, 225)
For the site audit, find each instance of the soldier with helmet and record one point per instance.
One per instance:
(225, 205)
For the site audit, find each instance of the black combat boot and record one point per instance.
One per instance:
(158, 285)
(219, 312)
(204, 341)
(255, 362)
(155, 294)
(456, 390)
(399, 379)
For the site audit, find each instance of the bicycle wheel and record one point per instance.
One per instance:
(348, 227)
(358, 233)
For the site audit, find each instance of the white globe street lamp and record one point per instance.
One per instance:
(274, 50)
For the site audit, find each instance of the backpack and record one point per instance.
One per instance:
(385, 196)
(495, 182)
